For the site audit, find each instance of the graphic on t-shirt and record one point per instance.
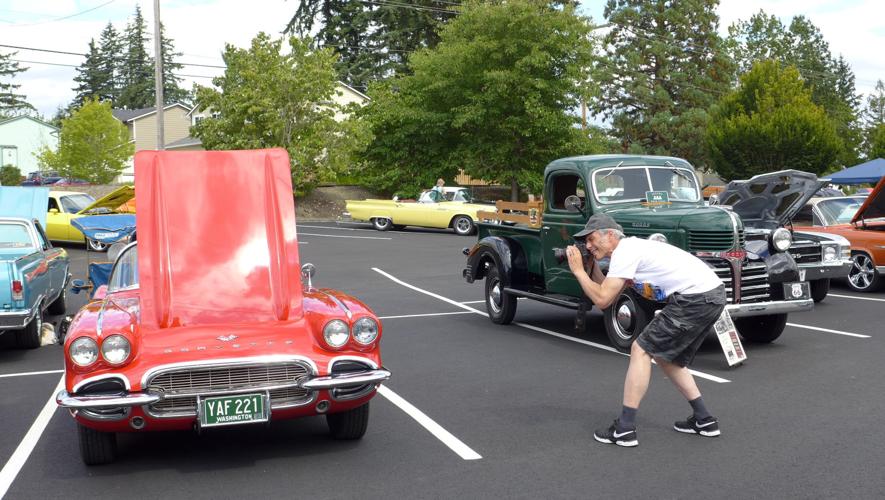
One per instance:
(649, 291)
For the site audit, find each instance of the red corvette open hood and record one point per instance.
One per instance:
(216, 238)
(874, 206)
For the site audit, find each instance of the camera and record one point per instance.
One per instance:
(560, 255)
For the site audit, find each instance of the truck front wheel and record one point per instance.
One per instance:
(761, 329)
(819, 289)
(624, 320)
(500, 305)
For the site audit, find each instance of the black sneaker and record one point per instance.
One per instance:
(705, 427)
(612, 436)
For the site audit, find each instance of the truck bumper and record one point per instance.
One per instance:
(825, 271)
(771, 307)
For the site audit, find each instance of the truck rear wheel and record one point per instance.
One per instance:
(761, 329)
(624, 320)
(500, 305)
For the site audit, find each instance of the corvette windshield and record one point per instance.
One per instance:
(622, 184)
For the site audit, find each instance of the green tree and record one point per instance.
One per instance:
(874, 123)
(11, 103)
(663, 67)
(92, 145)
(172, 91)
(10, 175)
(491, 99)
(110, 48)
(770, 123)
(91, 81)
(876, 142)
(138, 67)
(269, 99)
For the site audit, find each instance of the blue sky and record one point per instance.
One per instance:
(200, 28)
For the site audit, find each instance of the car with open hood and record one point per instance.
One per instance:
(209, 319)
(447, 207)
(766, 203)
(64, 206)
(33, 273)
(861, 220)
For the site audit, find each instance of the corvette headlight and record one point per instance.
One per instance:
(365, 330)
(83, 351)
(336, 333)
(781, 239)
(115, 349)
(830, 254)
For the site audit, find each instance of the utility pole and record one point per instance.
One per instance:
(158, 75)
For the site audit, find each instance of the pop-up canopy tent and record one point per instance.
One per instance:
(868, 172)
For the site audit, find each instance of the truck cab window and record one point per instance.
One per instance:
(563, 186)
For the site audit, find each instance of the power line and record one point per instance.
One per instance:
(63, 17)
(408, 6)
(180, 75)
(84, 55)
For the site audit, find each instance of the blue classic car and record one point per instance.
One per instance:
(33, 274)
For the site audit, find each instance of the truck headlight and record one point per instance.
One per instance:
(115, 349)
(336, 333)
(781, 239)
(365, 331)
(83, 351)
(658, 237)
(830, 254)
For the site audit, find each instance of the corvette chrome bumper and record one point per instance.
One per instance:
(344, 380)
(66, 400)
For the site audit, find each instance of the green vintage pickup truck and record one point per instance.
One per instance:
(651, 197)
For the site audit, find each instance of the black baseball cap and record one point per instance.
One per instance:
(597, 222)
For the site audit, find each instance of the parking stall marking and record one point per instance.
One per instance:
(428, 423)
(25, 374)
(854, 297)
(837, 332)
(338, 228)
(423, 315)
(23, 451)
(696, 373)
(340, 236)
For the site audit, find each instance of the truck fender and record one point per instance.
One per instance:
(503, 253)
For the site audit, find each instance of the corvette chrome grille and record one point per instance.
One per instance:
(181, 386)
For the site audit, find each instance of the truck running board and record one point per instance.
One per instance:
(559, 300)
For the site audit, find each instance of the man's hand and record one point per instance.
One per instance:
(575, 259)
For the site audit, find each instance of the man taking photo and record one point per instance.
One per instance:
(694, 296)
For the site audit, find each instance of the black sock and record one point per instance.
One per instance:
(700, 411)
(627, 420)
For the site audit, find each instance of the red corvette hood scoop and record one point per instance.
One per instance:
(217, 242)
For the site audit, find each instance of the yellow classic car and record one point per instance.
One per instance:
(441, 208)
(67, 205)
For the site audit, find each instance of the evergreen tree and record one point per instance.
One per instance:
(875, 112)
(11, 103)
(172, 91)
(664, 66)
(110, 47)
(138, 69)
(91, 82)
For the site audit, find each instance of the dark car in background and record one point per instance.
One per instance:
(41, 178)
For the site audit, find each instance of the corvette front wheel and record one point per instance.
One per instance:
(350, 424)
(96, 447)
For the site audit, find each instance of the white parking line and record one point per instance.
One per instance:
(443, 435)
(338, 228)
(423, 315)
(25, 374)
(854, 297)
(837, 332)
(21, 454)
(339, 236)
(535, 328)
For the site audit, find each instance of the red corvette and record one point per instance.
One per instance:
(205, 321)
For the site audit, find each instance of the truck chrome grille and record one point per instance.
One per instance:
(181, 386)
(754, 280)
(806, 252)
(713, 241)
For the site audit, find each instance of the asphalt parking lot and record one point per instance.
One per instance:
(477, 410)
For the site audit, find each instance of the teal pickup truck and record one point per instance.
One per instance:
(651, 197)
(33, 274)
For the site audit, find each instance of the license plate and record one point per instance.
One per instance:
(797, 291)
(232, 410)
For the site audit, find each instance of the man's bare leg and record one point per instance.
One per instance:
(638, 376)
(681, 378)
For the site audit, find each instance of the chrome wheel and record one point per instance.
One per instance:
(96, 245)
(381, 223)
(623, 320)
(495, 297)
(463, 225)
(862, 273)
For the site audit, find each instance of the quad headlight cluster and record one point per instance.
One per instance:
(364, 331)
(115, 350)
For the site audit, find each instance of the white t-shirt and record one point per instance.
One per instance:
(660, 269)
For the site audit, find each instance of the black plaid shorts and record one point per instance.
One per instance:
(677, 332)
